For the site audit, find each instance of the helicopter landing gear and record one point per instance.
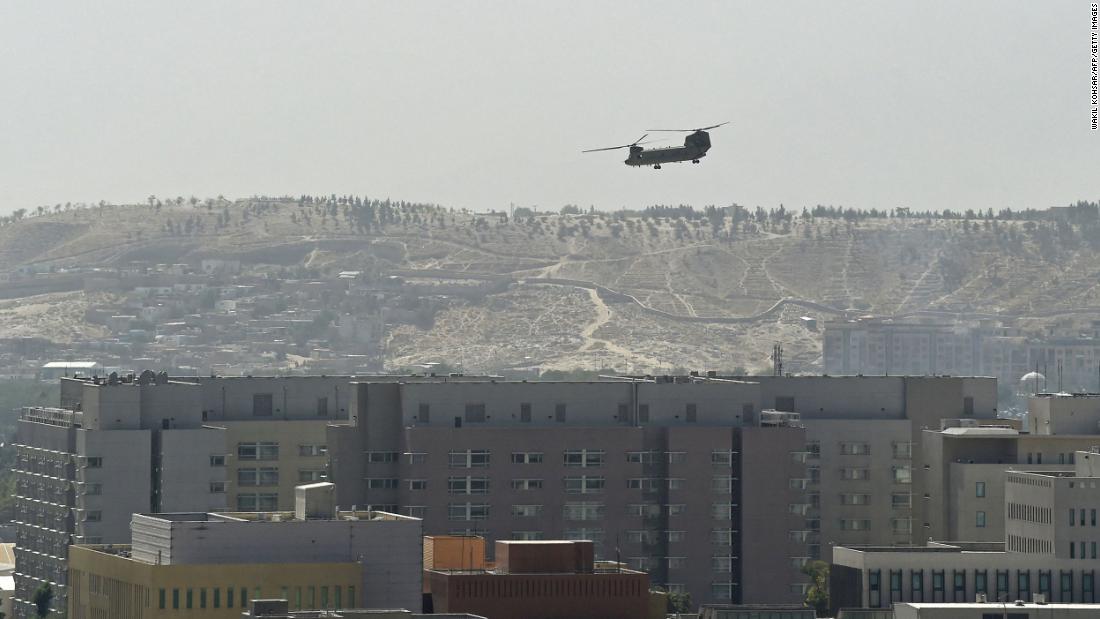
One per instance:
(657, 167)
(695, 161)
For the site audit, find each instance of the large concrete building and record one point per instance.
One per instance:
(678, 476)
(1049, 549)
(119, 446)
(964, 463)
(686, 477)
(213, 565)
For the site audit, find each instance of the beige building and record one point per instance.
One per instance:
(1049, 551)
(212, 565)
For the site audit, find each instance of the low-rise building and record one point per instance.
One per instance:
(558, 578)
(1049, 552)
(213, 564)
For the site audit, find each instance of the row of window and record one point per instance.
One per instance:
(304, 597)
(900, 450)
(263, 405)
(899, 474)
(472, 458)
(476, 413)
(898, 500)
(584, 484)
(583, 510)
(959, 589)
(268, 450)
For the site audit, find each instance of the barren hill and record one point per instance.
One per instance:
(667, 289)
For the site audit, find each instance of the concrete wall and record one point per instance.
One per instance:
(125, 477)
(186, 474)
(390, 550)
(291, 436)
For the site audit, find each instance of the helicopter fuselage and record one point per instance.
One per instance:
(695, 147)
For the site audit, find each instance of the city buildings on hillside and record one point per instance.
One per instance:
(214, 564)
(1048, 552)
(872, 346)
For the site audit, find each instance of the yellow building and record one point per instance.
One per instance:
(266, 459)
(107, 583)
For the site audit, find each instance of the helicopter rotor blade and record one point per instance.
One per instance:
(634, 143)
(692, 130)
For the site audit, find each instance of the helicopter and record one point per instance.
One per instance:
(695, 148)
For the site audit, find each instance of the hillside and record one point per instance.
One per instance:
(663, 289)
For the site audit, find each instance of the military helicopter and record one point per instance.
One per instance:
(695, 148)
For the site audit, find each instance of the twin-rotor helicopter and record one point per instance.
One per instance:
(695, 147)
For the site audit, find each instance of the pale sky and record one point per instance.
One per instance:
(931, 104)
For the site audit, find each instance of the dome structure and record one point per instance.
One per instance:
(1031, 382)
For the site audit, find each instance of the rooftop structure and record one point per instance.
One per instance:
(220, 561)
(558, 578)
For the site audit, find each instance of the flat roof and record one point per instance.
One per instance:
(976, 605)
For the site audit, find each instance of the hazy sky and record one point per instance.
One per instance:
(937, 104)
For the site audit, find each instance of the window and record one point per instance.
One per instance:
(258, 451)
(675, 483)
(968, 406)
(721, 484)
(721, 590)
(641, 457)
(901, 500)
(979, 519)
(722, 511)
(468, 511)
(722, 457)
(416, 511)
(690, 413)
(217, 487)
(585, 484)
(93, 515)
(202, 597)
(916, 585)
(643, 413)
(937, 586)
(261, 407)
(855, 474)
(525, 412)
(855, 449)
(229, 597)
(720, 563)
(585, 533)
(416, 457)
(311, 475)
(217, 460)
(93, 489)
(257, 502)
(266, 476)
(675, 536)
(814, 448)
(424, 413)
(677, 457)
(468, 485)
(981, 581)
(175, 599)
(93, 462)
(645, 510)
(958, 585)
(721, 537)
(1023, 584)
(849, 524)
(559, 413)
(1065, 587)
(475, 413)
(784, 404)
(190, 598)
(527, 457)
(855, 499)
(418, 484)
(583, 457)
(322, 407)
(526, 511)
(526, 484)
(902, 474)
(901, 526)
(582, 511)
(624, 412)
(471, 458)
(312, 450)
(874, 588)
(382, 457)
(903, 450)
(382, 483)
(979, 489)
(530, 536)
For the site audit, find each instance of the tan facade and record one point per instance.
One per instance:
(104, 584)
(265, 460)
